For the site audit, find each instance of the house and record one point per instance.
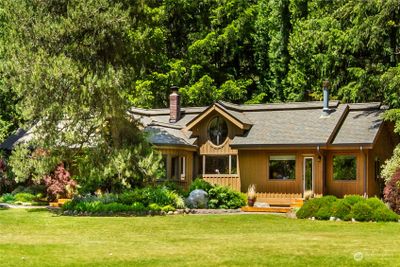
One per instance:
(323, 147)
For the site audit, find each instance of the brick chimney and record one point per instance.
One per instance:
(174, 105)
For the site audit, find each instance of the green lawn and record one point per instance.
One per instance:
(43, 239)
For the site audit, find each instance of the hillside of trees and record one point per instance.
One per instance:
(99, 57)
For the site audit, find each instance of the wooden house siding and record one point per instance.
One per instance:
(206, 147)
(254, 166)
(381, 151)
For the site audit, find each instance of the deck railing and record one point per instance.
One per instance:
(224, 180)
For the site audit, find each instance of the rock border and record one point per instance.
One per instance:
(186, 211)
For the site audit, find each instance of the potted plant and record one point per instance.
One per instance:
(251, 195)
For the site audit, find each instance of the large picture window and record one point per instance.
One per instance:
(282, 167)
(217, 131)
(344, 167)
(226, 164)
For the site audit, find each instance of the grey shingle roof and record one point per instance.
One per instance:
(298, 123)
(359, 127)
(287, 127)
(162, 135)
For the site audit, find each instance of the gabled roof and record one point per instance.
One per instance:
(278, 124)
(235, 117)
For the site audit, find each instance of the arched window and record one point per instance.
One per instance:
(217, 131)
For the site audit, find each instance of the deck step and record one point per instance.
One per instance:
(267, 209)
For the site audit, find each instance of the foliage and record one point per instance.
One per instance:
(312, 206)
(353, 206)
(353, 199)
(361, 211)
(251, 191)
(221, 197)
(383, 214)
(341, 209)
(25, 197)
(137, 200)
(59, 183)
(392, 192)
(391, 165)
(7, 198)
(199, 183)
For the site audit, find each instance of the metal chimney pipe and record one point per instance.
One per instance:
(326, 109)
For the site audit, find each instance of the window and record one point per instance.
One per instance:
(217, 131)
(282, 167)
(176, 170)
(174, 167)
(220, 164)
(344, 168)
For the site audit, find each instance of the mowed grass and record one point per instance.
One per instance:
(44, 239)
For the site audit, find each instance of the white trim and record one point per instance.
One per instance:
(312, 174)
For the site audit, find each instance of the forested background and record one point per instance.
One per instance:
(244, 51)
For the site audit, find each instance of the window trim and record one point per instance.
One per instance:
(344, 154)
(282, 180)
(208, 132)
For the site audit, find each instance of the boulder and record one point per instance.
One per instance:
(197, 199)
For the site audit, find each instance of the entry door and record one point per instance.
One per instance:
(308, 174)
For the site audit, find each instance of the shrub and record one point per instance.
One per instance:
(383, 214)
(154, 207)
(115, 207)
(375, 203)
(312, 206)
(324, 213)
(225, 198)
(173, 186)
(160, 195)
(309, 209)
(353, 199)
(362, 212)
(59, 183)
(392, 192)
(7, 198)
(32, 189)
(199, 183)
(25, 197)
(341, 209)
(130, 197)
(138, 207)
(168, 208)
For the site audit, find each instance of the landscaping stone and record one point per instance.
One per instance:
(170, 212)
(332, 218)
(197, 199)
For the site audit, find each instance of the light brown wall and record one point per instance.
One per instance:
(254, 170)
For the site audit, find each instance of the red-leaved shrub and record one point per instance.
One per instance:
(59, 183)
(392, 192)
